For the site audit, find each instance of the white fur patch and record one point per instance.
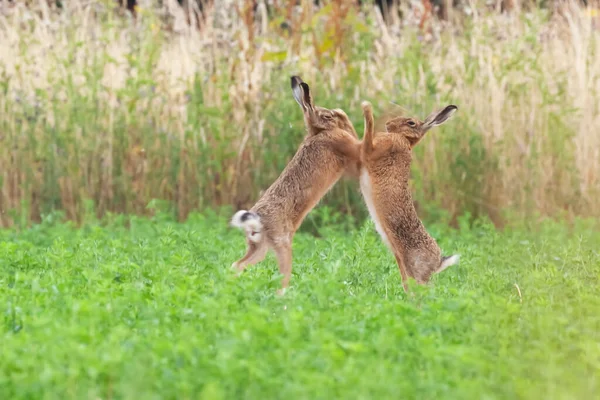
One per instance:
(252, 226)
(448, 262)
(367, 190)
(236, 220)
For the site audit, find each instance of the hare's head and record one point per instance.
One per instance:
(413, 129)
(318, 119)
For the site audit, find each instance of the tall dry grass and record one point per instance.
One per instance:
(100, 112)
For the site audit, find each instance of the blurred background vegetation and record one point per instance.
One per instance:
(127, 108)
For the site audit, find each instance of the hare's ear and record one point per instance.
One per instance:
(438, 117)
(301, 93)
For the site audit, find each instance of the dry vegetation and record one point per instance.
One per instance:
(98, 106)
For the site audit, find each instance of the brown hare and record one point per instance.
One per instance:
(385, 170)
(330, 150)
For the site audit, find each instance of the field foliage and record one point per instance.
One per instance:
(120, 137)
(152, 311)
(96, 106)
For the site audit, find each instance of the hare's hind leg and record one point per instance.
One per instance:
(256, 253)
(403, 273)
(284, 258)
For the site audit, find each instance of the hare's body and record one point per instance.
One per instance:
(384, 182)
(314, 169)
(330, 150)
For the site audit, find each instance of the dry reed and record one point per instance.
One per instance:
(120, 111)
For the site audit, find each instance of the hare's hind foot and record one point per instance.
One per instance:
(447, 261)
(255, 254)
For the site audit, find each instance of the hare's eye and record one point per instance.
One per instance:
(410, 122)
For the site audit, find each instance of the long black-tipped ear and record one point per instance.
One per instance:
(439, 117)
(301, 93)
(297, 90)
(307, 97)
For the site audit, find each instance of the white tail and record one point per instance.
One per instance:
(250, 222)
(448, 262)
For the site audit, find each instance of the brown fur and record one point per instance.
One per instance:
(386, 159)
(330, 149)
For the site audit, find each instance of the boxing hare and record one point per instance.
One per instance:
(385, 170)
(330, 149)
